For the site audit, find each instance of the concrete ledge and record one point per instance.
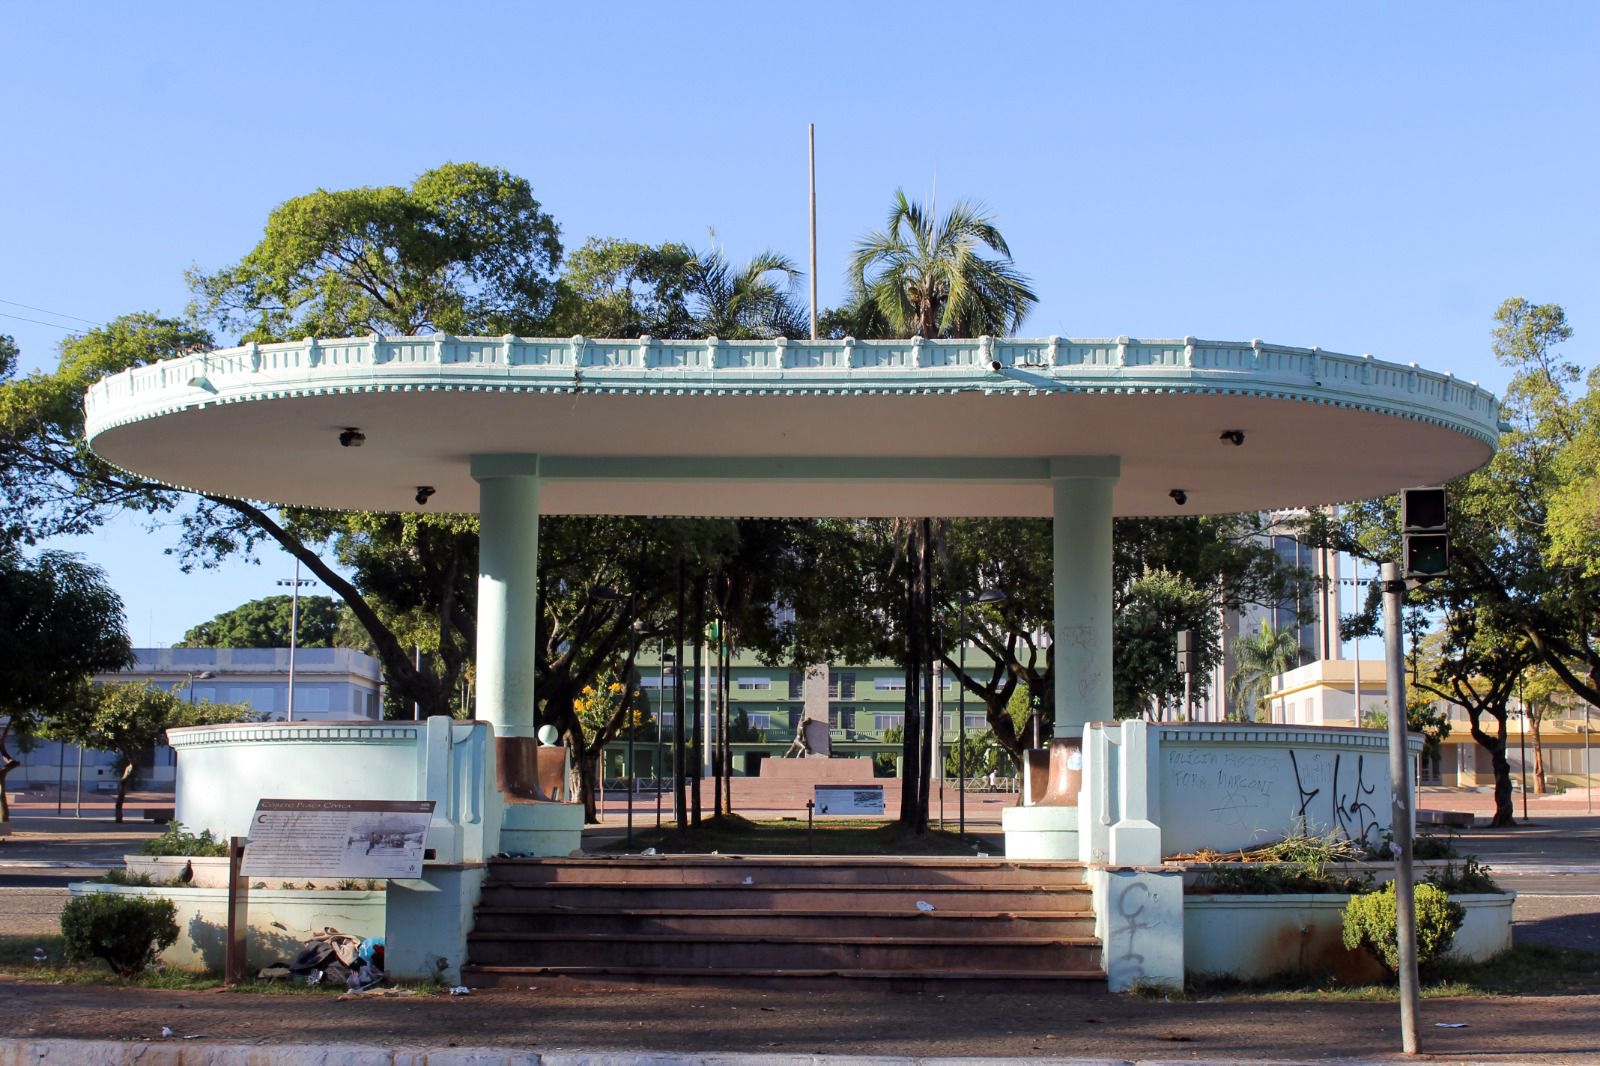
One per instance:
(1041, 832)
(542, 829)
(280, 920)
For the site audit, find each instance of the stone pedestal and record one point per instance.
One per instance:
(427, 922)
(1041, 832)
(544, 829)
(1139, 919)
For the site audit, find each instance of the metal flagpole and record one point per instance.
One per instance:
(811, 134)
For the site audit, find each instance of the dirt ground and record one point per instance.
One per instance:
(1548, 864)
(602, 1018)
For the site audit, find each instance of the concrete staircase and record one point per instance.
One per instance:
(784, 921)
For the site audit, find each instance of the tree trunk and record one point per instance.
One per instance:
(586, 768)
(7, 764)
(1496, 747)
(930, 708)
(123, 781)
(1535, 723)
(911, 741)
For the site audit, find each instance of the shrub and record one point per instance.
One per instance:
(1470, 876)
(179, 841)
(1274, 878)
(1370, 922)
(1423, 846)
(126, 931)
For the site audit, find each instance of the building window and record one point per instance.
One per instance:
(977, 721)
(762, 720)
(797, 685)
(889, 721)
(889, 684)
(842, 685)
(753, 684)
(841, 717)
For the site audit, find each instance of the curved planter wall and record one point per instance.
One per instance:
(224, 770)
(280, 921)
(1260, 936)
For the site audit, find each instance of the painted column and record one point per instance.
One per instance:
(508, 596)
(1081, 534)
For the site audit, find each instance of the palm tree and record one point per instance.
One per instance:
(754, 302)
(926, 277)
(1258, 659)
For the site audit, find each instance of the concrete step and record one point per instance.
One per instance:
(1019, 955)
(802, 897)
(790, 870)
(1080, 982)
(954, 925)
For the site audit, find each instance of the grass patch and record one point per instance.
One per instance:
(734, 835)
(1526, 970)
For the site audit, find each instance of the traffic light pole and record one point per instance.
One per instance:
(1400, 812)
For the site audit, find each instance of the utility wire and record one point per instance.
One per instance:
(47, 311)
(40, 322)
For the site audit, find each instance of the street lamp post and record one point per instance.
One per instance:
(204, 675)
(986, 596)
(294, 625)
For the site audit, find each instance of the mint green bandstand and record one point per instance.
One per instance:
(1080, 431)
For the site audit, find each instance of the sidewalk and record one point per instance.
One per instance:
(624, 1025)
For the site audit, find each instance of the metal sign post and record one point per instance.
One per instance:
(1400, 809)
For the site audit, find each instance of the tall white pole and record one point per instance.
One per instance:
(1355, 567)
(811, 135)
(294, 626)
(294, 631)
(1400, 808)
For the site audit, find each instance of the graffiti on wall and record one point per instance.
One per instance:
(1216, 797)
(1124, 961)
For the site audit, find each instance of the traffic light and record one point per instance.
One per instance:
(1188, 652)
(1424, 533)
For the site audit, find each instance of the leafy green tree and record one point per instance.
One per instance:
(1258, 659)
(466, 249)
(927, 277)
(1155, 607)
(59, 623)
(1520, 589)
(1423, 716)
(615, 288)
(264, 623)
(129, 719)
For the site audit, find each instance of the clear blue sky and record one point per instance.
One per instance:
(1366, 177)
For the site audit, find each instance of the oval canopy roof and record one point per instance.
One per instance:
(791, 428)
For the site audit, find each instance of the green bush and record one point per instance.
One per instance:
(1470, 876)
(1273, 879)
(179, 841)
(1370, 922)
(126, 931)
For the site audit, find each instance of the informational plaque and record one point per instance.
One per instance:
(849, 799)
(337, 838)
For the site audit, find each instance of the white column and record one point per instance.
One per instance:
(1082, 489)
(508, 601)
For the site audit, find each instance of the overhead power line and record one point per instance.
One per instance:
(41, 322)
(47, 311)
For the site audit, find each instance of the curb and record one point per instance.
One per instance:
(183, 1053)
